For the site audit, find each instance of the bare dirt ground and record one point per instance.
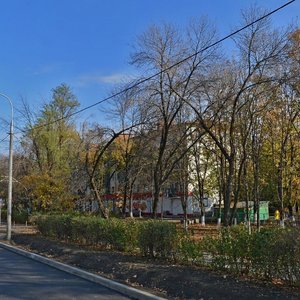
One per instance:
(160, 277)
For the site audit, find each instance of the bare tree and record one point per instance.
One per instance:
(158, 49)
(261, 51)
(128, 150)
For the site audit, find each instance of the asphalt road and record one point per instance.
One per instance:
(23, 278)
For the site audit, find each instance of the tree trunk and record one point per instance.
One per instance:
(237, 188)
(125, 199)
(256, 192)
(155, 201)
(102, 208)
(228, 191)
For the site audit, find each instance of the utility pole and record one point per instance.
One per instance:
(10, 164)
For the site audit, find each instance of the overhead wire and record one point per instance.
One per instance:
(5, 138)
(141, 81)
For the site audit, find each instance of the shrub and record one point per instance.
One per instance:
(218, 249)
(57, 226)
(270, 253)
(20, 216)
(239, 249)
(278, 254)
(113, 233)
(263, 247)
(3, 215)
(190, 251)
(157, 239)
(85, 230)
(121, 234)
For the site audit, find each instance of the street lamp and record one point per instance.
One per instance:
(10, 163)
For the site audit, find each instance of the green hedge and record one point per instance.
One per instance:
(190, 251)
(114, 233)
(18, 216)
(158, 239)
(271, 253)
(231, 250)
(119, 234)
(56, 226)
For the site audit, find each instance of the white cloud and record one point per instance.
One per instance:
(89, 79)
(114, 78)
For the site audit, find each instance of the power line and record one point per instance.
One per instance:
(4, 138)
(139, 82)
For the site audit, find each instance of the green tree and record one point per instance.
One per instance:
(50, 143)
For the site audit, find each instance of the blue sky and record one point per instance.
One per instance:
(87, 43)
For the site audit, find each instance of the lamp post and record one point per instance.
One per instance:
(10, 163)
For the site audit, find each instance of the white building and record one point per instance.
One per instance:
(196, 164)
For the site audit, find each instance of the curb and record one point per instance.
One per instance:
(113, 285)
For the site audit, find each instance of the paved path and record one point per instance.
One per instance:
(23, 278)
